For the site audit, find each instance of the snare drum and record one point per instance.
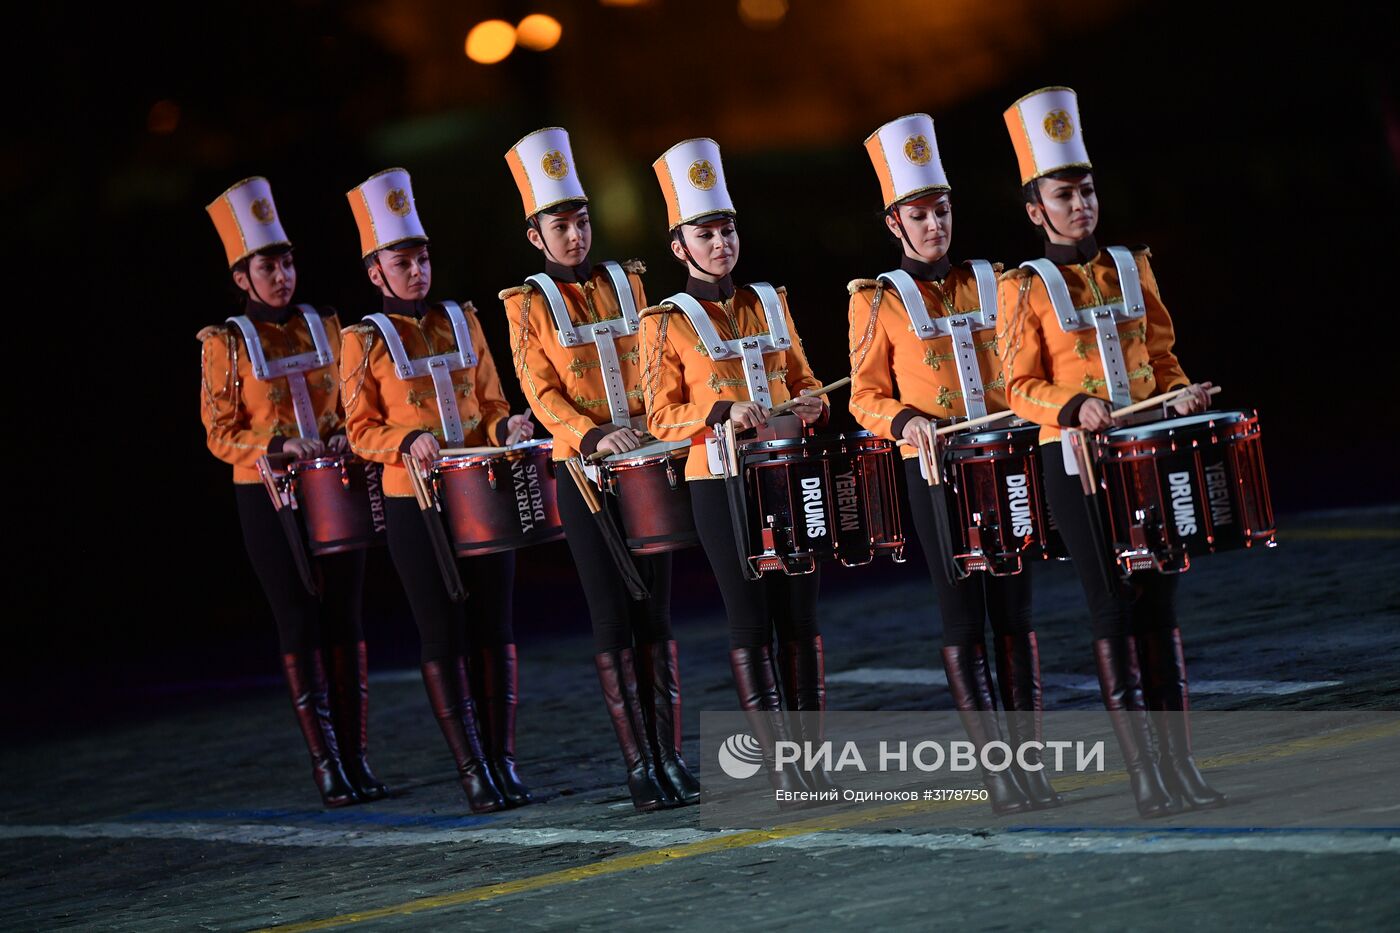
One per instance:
(1184, 487)
(652, 496)
(996, 499)
(498, 500)
(813, 498)
(341, 502)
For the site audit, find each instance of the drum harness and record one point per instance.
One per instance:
(963, 330)
(1103, 320)
(439, 367)
(751, 350)
(294, 368)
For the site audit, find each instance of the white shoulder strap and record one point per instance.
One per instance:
(773, 311)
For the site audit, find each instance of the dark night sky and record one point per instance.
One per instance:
(1257, 156)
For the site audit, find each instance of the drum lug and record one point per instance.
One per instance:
(345, 473)
(491, 475)
(671, 473)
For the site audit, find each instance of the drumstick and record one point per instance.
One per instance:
(585, 488)
(973, 422)
(1166, 398)
(815, 393)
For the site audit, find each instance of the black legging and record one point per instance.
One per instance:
(965, 605)
(303, 620)
(756, 608)
(1146, 603)
(442, 624)
(618, 619)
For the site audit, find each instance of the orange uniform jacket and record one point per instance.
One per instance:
(1050, 373)
(244, 418)
(385, 414)
(564, 385)
(895, 375)
(686, 391)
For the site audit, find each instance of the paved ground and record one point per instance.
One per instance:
(204, 819)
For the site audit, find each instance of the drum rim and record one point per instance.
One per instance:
(800, 443)
(322, 463)
(669, 450)
(1228, 417)
(522, 451)
(963, 439)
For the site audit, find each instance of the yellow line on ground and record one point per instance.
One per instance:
(748, 838)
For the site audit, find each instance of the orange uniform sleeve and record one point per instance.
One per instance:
(1161, 334)
(672, 415)
(365, 364)
(227, 427)
(873, 402)
(530, 326)
(1029, 390)
(799, 371)
(489, 393)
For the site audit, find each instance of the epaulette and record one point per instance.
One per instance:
(855, 285)
(997, 267)
(364, 327)
(1141, 250)
(468, 307)
(663, 308)
(1010, 275)
(212, 330)
(634, 266)
(327, 311)
(515, 290)
(780, 289)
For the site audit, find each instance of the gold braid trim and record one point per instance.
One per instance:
(717, 382)
(934, 359)
(1020, 393)
(651, 370)
(867, 340)
(578, 367)
(582, 402)
(522, 366)
(1016, 326)
(947, 396)
(361, 371)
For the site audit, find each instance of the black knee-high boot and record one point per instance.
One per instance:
(659, 686)
(803, 666)
(970, 682)
(350, 688)
(617, 675)
(1018, 677)
(497, 680)
(758, 698)
(306, 680)
(1164, 682)
(1120, 683)
(456, 716)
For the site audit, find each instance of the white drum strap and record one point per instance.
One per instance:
(750, 349)
(439, 368)
(1103, 319)
(292, 368)
(962, 328)
(602, 334)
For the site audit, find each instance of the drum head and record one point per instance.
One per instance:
(1174, 425)
(659, 450)
(1009, 432)
(530, 448)
(318, 463)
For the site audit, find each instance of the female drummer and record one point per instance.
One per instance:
(692, 385)
(555, 339)
(387, 416)
(1057, 377)
(247, 416)
(901, 383)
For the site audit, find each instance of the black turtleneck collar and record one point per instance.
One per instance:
(267, 314)
(722, 290)
(405, 306)
(1072, 254)
(935, 271)
(576, 274)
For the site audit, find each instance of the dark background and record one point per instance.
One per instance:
(1254, 150)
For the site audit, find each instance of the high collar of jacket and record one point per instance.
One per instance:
(722, 290)
(415, 307)
(267, 314)
(1072, 254)
(935, 271)
(576, 275)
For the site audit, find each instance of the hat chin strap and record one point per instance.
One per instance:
(1045, 211)
(384, 276)
(691, 259)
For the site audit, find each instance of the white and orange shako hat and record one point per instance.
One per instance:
(385, 211)
(1047, 133)
(905, 155)
(544, 170)
(246, 219)
(692, 181)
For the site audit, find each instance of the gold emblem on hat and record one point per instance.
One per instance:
(262, 211)
(1059, 126)
(917, 149)
(397, 202)
(554, 164)
(702, 174)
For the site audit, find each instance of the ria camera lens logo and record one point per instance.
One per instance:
(740, 756)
